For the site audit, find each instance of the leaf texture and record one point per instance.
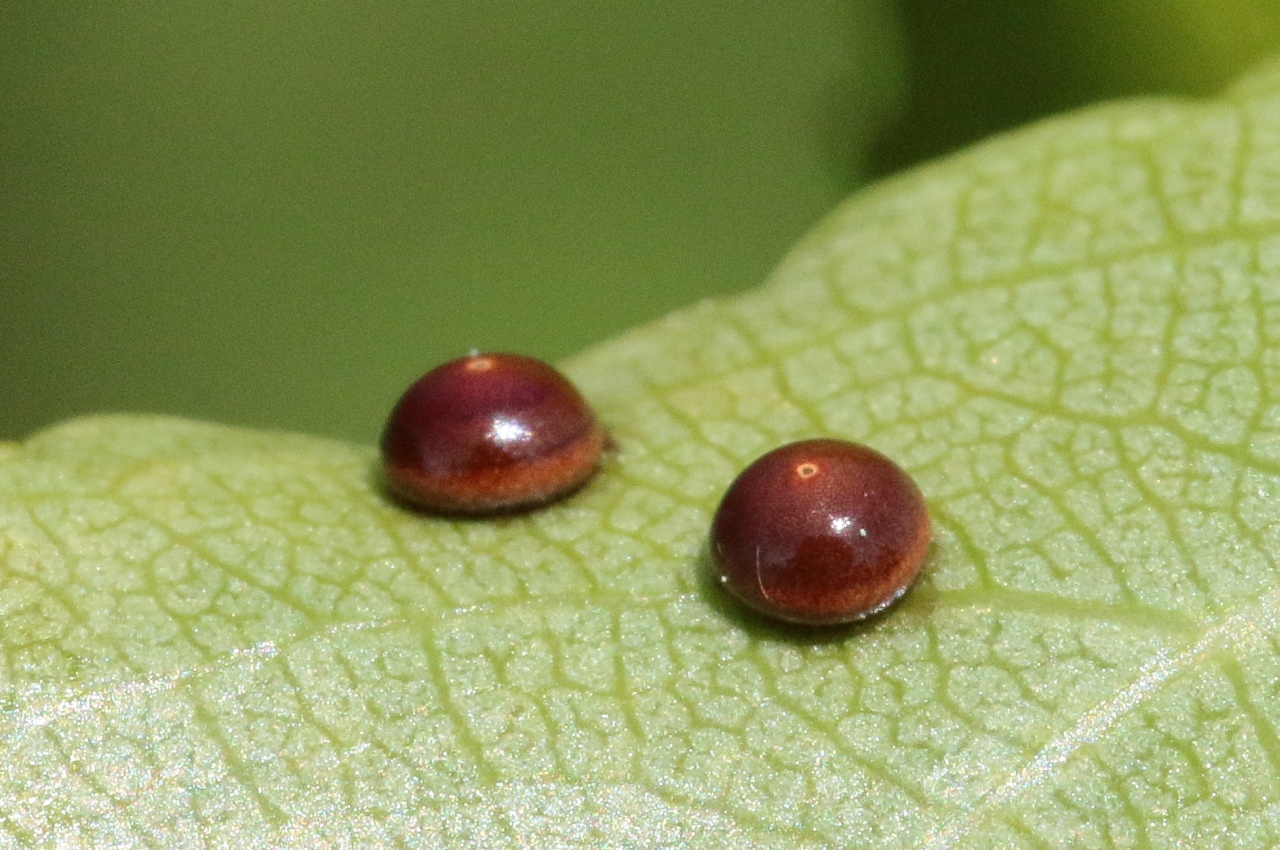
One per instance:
(1070, 336)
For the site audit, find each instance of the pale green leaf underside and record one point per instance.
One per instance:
(1070, 336)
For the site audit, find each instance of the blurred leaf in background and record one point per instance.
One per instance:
(981, 66)
(280, 213)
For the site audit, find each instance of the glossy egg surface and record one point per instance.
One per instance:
(490, 433)
(820, 532)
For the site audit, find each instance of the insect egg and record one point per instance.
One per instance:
(490, 433)
(820, 532)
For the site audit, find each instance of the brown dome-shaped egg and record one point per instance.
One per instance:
(490, 433)
(820, 532)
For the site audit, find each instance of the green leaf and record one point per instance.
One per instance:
(1071, 338)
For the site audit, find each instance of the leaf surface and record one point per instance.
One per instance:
(1070, 336)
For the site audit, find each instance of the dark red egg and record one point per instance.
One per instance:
(490, 433)
(820, 532)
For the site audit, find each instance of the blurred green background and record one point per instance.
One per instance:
(279, 213)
